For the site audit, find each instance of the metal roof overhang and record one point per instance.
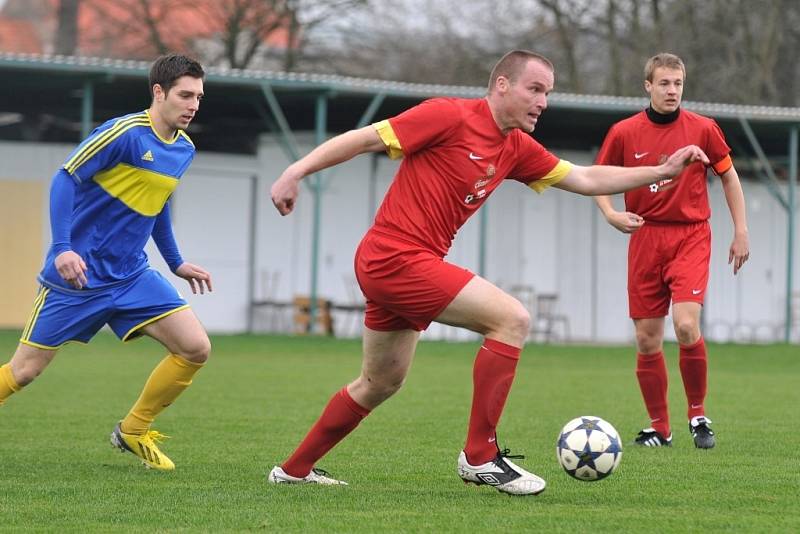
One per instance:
(42, 97)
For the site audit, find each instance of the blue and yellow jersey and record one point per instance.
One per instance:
(124, 174)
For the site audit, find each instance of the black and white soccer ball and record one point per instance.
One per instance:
(589, 448)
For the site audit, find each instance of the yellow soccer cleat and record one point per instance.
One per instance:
(144, 446)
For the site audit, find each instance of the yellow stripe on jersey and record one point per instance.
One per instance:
(38, 302)
(186, 136)
(386, 133)
(103, 139)
(110, 136)
(143, 191)
(558, 173)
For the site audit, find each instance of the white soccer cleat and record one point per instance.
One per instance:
(316, 476)
(502, 474)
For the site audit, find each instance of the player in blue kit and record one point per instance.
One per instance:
(106, 201)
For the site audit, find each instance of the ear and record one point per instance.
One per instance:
(648, 86)
(158, 93)
(502, 84)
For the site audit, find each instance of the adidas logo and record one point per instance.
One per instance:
(148, 156)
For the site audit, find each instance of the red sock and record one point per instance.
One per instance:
(492, 376)
(651, 370)
(340, 417)
(694, 371)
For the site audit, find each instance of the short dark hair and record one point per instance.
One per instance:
(511, 64)
(167, 69)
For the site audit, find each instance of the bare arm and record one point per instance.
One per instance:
(606, 180)
(739, 251)
(625, 221)
(332, 152)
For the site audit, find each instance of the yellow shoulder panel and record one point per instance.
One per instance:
(103, 139)
(558, 173)
(387, 135)
(186, 136)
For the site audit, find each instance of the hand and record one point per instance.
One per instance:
(284, 192)
(72, 269)
(626, 222)
(681, 158)
(197, 277)
(739, 251)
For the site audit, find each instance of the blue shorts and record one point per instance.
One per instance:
(59, 317)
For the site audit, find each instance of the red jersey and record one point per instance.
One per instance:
(454, 156)
(638, 141)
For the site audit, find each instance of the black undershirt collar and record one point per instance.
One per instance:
(660, 118)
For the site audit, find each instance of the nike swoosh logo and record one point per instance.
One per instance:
(640, 156)
(473, 156)
(492, 440)
(695, 291)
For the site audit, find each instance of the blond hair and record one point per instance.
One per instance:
(664, 59)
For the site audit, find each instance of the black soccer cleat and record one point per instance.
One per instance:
(649, 437)
(701, 432)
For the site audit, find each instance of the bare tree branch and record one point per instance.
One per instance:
(67, 31)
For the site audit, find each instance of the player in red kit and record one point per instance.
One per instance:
(455, 153)
(670, 245)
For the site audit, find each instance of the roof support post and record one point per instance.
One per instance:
(369, 113)
(372, 108)
(283, 124)
(772, 187)
(762, 158)
(320, 135)
(273, 127)
(87, 107)
(251, 248)
(792, 178)
(789, 203)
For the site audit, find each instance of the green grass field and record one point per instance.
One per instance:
(258, 395)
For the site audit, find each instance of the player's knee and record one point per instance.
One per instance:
(515, 322)
(198, 350)
(647, 342)
(518, 323)
(687, 331)
(389, 386)
(381, 388)
(27, 372)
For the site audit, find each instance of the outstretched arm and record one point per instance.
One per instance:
(332, 152)
(740, 246)
(607, 180)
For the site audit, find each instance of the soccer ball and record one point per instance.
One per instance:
(589, 448)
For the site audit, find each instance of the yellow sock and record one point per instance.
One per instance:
(8, 386)
(166, 382)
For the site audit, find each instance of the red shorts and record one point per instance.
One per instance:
(667, 262)
(406, 285)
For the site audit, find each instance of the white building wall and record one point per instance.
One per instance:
(556, 242)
